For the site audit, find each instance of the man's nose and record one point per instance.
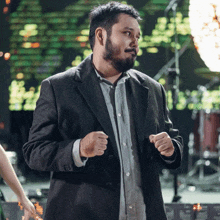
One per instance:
(134, 42)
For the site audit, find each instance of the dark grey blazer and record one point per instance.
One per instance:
(70, 106)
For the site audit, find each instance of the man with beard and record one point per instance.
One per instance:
(102, 128)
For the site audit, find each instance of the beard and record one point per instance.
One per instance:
(111, 52)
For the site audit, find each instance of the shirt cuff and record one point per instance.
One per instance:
(76, 155)
(169, 159)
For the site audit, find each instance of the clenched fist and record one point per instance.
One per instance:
(163, 143)
(93, 144)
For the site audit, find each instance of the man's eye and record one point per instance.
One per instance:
(128, 33)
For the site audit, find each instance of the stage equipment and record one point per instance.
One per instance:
(175, 211)
(169, 64)
(173, 80)
(207, 74)
(204, 142)
(13, 211)
(12, 157)
(38, 195)
(211, 123)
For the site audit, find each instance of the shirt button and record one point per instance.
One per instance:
(124, 144)
(127, 174)
(119, 114)
(130, 207)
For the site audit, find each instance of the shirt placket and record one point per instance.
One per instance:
(132, 206)
(113, 116)
(125, 147)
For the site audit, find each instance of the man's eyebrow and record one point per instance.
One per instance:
(129, 28)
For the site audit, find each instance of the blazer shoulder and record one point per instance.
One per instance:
(70, 73)
(144, 78)
(76, 74)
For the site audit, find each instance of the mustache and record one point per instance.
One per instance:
(131, 50)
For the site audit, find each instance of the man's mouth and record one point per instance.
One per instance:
(131, 51)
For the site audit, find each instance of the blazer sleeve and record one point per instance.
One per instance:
(174, 134)
(46, 150)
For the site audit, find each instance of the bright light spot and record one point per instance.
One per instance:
(192, 188)
(152, 50)
(26, 45)
(136, 63)
(162, 81)
(77, 61)
(30, 27)
(83, 44)
(29, 30)
(162, 20)
(35, 45)
(85, 32)
(207, 163)
(197, 207)
(20, 76)
(1, 54)
(140, 52)
(204, 17)
(82, 38)
(87, 53)
(39, 193)
(5, 10)
(7, 56)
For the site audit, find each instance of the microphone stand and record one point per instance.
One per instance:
(173, 79)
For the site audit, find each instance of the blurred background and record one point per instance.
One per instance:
(179, 47)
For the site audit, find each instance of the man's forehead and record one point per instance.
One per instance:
(126, 21)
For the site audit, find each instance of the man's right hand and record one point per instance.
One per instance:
(93, 144)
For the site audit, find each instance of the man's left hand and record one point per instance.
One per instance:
(163, 143)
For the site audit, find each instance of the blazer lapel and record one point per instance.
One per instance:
(138, 93)
(91, 91)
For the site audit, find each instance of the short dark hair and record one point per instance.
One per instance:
(106, 16)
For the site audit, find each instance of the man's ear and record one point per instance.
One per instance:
(100, 35)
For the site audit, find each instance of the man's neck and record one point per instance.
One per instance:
(106, 70)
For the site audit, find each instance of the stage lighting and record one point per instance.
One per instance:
(204, 17)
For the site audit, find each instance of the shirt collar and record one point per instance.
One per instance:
(123, 77)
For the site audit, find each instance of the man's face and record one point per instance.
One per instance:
(122, 46)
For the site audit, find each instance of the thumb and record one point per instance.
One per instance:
(151, 138)
(103, 134)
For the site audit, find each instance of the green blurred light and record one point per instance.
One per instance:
(52, 51)
(136, 63)
(85, 32)
(162, 81)
(162, 20)
(58, 30)
(152, 50)
(87, 53)
(160, 1)
(73, 20)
